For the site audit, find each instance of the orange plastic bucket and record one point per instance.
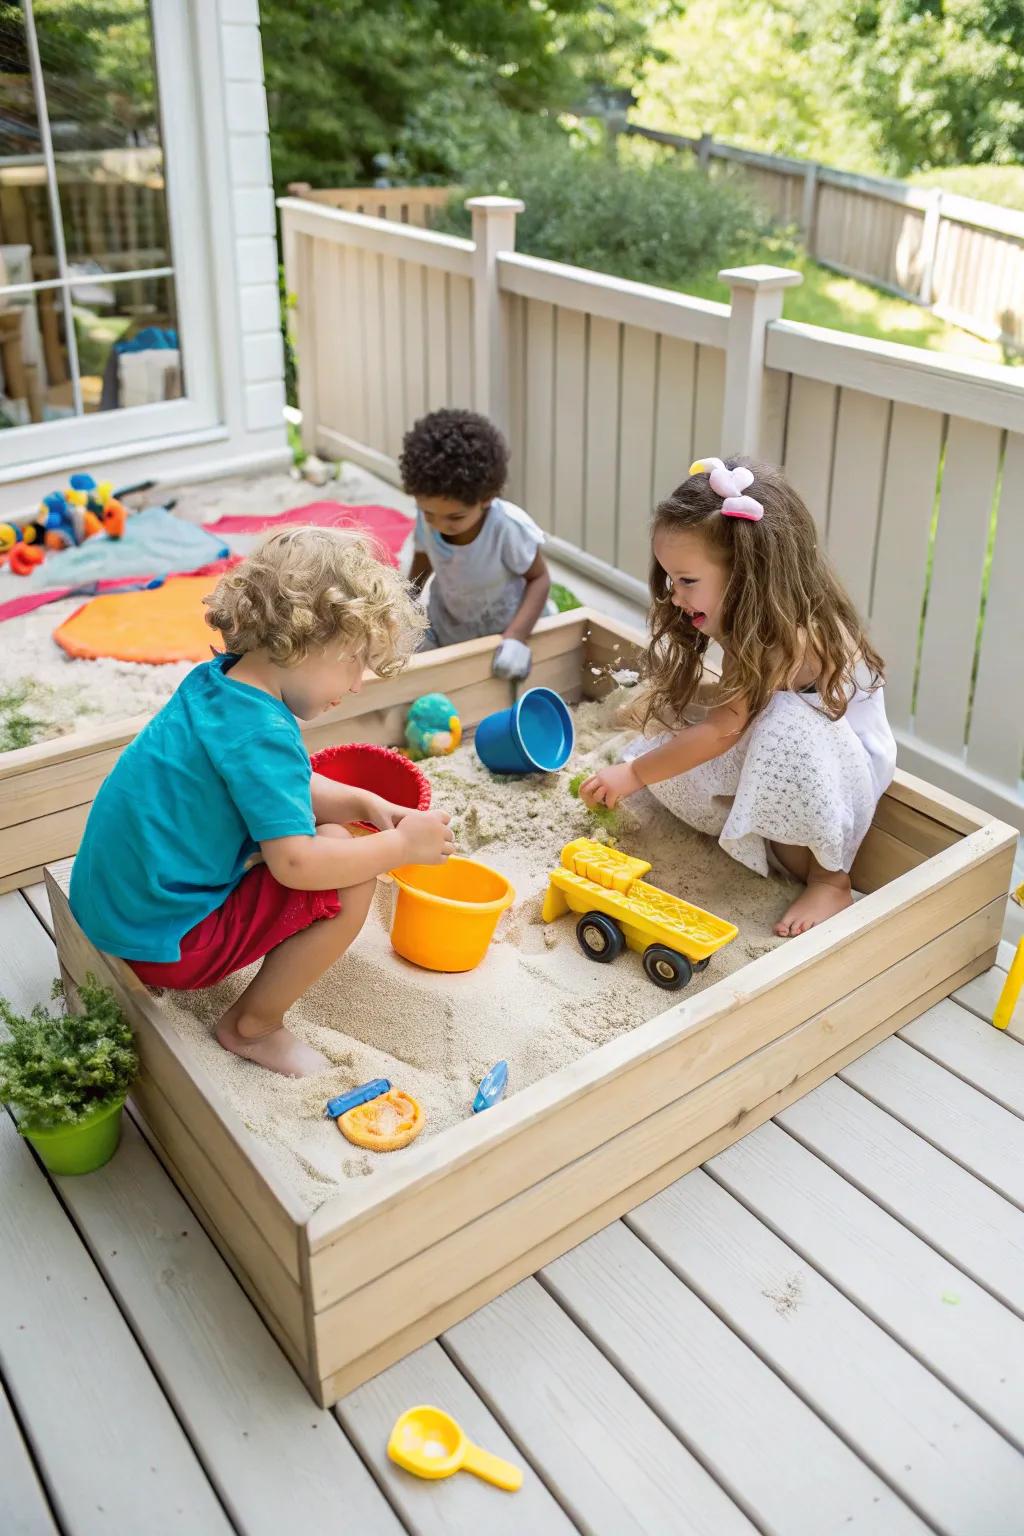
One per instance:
(446, 914)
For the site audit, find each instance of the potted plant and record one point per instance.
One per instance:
(67, 1076)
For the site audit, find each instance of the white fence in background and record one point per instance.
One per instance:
(912, 465)
(958, 256)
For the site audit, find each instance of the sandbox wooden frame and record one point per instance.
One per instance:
(394, 1260)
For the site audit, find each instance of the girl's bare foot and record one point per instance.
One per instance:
(277, 1049)
(824, 896)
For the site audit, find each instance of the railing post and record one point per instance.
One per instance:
(809, 208)
(756, 298)
(494, 231)
(704, 144)
(929, 246)
(294, 248)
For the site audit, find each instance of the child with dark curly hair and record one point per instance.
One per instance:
(484, 552)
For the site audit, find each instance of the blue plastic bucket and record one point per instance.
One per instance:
(534, 736)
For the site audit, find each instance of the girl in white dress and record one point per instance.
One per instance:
(794, 750)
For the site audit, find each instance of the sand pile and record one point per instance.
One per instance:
(536, 1000)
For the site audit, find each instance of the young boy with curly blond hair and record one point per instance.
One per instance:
(212, 844)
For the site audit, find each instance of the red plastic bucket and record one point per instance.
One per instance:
(380, 769)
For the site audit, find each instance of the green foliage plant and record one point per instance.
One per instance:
(56, 1067)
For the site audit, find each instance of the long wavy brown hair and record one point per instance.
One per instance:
(783, 604)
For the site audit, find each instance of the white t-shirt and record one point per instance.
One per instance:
(478, 587)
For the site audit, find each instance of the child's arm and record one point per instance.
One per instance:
(324, 862)
(419, 571)
(512, 658)
(341, 802)
(693, 745)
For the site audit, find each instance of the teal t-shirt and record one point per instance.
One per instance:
(219, 770)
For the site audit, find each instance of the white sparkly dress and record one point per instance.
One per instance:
(794, 777)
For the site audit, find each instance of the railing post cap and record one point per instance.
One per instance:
(761, 276)
(495, 204)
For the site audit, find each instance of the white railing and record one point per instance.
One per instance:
(958, 256)
(911, 464)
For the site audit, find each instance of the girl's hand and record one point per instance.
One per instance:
(610, 786)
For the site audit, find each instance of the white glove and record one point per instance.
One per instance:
(512, 659)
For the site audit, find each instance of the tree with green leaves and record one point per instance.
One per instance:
(416, 88)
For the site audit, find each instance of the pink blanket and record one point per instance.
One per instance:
(388, 528)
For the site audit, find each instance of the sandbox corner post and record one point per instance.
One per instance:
(756, 294)
(494, 233)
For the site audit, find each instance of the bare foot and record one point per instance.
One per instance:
(276, 1049)
(819, 899)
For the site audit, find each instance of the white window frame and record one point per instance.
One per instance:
(192, 259)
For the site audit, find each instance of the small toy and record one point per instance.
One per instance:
(432, 727)
(385, 1123)
(492, 1087)
(66, 518)
(429, 1443)
(445, 914)
(1012, 988)
(534, 736)
(356, 1096)
(24, 558)
(619, 908)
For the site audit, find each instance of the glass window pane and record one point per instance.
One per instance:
(128, 345)
(35, 375)
(101, 98)
(26, 223)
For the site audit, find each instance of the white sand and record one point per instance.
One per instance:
(535, 1000)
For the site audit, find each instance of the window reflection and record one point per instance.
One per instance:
(88, 317)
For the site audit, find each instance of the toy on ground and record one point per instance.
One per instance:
(384, 1123)
(445, 914)
(492, 1087)
(618, 908)
(1012, 987)
(430, 1443)
(66, 518)
(432, 727)
(534, 736)
(356, 1096)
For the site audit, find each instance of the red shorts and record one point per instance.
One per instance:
(259, 914)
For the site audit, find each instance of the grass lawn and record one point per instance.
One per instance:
(844, 304)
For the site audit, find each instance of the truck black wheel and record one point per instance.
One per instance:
(600, 938)
(667, 969)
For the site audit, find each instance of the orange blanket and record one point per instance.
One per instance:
(165, 624)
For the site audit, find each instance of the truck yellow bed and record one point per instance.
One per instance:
(593, 878)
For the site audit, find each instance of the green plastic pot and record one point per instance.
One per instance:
(81, 1146)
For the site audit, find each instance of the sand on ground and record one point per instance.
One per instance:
(535, 1000)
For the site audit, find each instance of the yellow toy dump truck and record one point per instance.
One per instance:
(618, 908)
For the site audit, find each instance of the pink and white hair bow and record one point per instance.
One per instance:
(730, 484)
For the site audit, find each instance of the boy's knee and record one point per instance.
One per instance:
(330, 829)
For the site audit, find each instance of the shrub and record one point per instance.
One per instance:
(57, 1067)
(643, 216)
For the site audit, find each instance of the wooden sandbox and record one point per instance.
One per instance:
(445, 1226)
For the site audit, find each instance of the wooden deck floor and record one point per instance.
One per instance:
(821, 1331)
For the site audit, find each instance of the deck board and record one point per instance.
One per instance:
(970, 1224)
(934, 1451)
(719, 1396)
(112, 1453)
(986, 1058)
(952, 1324)
(617, 1468)
(26, 1511)
(980, 1135)
(460, 1503)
